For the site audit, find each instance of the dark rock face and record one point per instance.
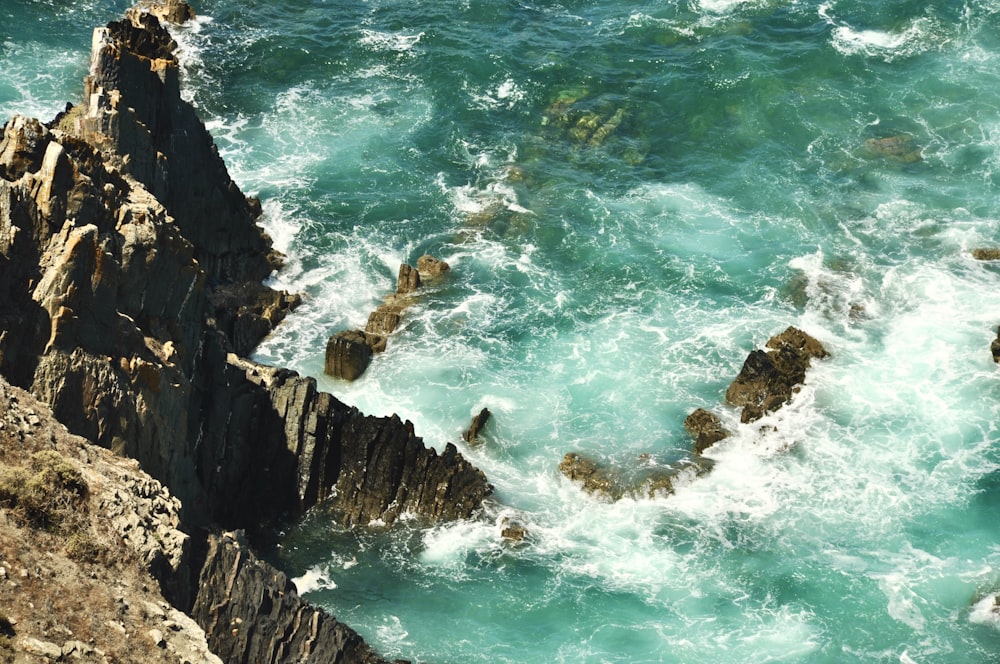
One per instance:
(138, 117)
(251, 612)
(478, 422)
(768, 379)
(362, 468)
(995, 347)
(348, 355)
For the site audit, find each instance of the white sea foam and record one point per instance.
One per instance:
(190, 55)
(506, 94)
(920, 35)
(986, 611)
(389, 41)
(448, 546)
(315, 578)
(38, 81)
(391, 632)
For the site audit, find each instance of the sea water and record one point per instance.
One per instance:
(603, 286)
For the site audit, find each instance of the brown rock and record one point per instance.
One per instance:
(348, 354)
(478, 422)
(430, 267)
(592, 477)
(995, 347)
(706, 428)
(408, 281)
(512, 530)
(382, 322)
(986, 253)
(171, 11)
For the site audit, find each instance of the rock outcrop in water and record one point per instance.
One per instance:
(471, 435)
(766, 382)
(642, 480)
(349, 352)
(130, 290)
(768, 379)
(706, 428)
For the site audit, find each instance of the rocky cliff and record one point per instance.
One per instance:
(89, 547)
(130, 293)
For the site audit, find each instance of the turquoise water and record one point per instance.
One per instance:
(603, 287)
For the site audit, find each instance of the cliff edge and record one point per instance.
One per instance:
(131, 270)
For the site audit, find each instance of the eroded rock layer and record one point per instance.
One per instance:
(252, 612)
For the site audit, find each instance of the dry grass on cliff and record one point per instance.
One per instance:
(67, 584)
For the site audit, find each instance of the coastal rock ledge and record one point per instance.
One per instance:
(131, 270)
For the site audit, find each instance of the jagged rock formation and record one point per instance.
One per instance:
(706, 429)
(766, 382)
(363, 468)
(129, 317)
(252, 613)
(768, 379)
(138, 118)
(471, 435)
(130, 286)
(349, 352)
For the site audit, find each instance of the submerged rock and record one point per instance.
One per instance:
(901, 148)
(986, 253)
